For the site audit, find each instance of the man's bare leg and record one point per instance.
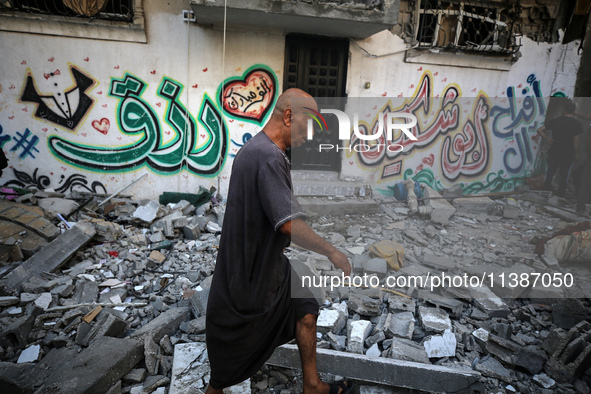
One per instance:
(306, 340)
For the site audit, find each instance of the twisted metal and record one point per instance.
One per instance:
(468, 25)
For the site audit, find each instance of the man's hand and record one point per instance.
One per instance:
(339, 260)
(301, 234)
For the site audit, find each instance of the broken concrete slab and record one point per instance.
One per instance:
(51, 257)
(330, 320)
(492, 368)
(442, 210)
(400, 325)
(90, 371)
(405, 349)
(473, 204)
(434, 319)
(190, 368)
(441, 345)
(364, 305)
(399, 373)
(511, 353)
(357, 332)
(166, 323)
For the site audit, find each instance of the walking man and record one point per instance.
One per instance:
(251, 310)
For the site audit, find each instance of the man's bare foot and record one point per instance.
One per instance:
(324, 388)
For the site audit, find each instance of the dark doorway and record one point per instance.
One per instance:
(317, 65)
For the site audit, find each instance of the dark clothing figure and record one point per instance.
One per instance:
(250, 310)
(562, 151)
(584, 190)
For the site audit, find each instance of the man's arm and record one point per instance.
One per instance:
(302, 235)
(541, 130)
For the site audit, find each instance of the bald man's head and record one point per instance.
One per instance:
(293, 98)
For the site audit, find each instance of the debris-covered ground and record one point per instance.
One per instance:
(117, 302)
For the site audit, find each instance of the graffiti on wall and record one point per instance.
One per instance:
(202, 152)
(251, 96)
(67, 109)
(461, 135)
(41, 182)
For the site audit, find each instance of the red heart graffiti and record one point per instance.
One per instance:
(44, 129)
(158, 104)
(102, 126)
(51, 59)
(195, 86)
(64, 168)
(153, 72)
(51, 173)
(24, 62)
(104, 105)
(11, 117)
(185, 176)
(429, 160)
(119, 138)
(419, 168)
(444, 80)
(375, 107)
(205, 70)
(167, 132)
(86, 59)
(12, 87)
(231, 120)
(400, 95)
(101, 92)
(83, 134)
(384, 94)
(437, 73)
(25, 109)
(224, 177)
(250, 97)
(412, 86)
(351, 162)
(202, 135)
(116, 67)
(520, 86)
(420, 69)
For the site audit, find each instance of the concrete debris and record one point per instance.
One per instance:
(150, 268)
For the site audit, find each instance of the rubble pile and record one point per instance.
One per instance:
(122, 310)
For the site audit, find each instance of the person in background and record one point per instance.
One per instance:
(563, 146)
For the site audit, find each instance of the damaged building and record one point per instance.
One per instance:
(120, 120)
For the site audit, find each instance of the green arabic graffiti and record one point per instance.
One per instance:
(201, 154)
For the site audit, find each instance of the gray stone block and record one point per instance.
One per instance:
(398, 373)
(434, 319)
(166, 323)
(404, 349)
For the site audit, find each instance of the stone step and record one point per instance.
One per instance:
(323, 206)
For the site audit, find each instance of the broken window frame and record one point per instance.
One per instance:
(112, 10)
(460, 12)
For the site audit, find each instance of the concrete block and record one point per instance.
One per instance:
(434, 319)
(404, 349)
(473, 204)
(492, 368)
(30, 354)
(330, 320)
(569, 312)
(399, 325)
(166, 323)
(376, 266)
(573, 356)
(511, 353)
(452, 306)
(373, 351)
(488, 302)
(199, 299)
(107, 324)
(9, 301)
(398, 373)
(50, 257)
(401, 304)
(190, 368)
(338, 342)
(191, 231)
(95, 369)
(147, 213)
(441, 345)
(442, 210)
(364, 305)
(357, 332)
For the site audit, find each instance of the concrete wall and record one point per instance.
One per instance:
(155, 108)
(493, 145)
(134, 107)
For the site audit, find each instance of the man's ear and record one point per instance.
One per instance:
(287, 116)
